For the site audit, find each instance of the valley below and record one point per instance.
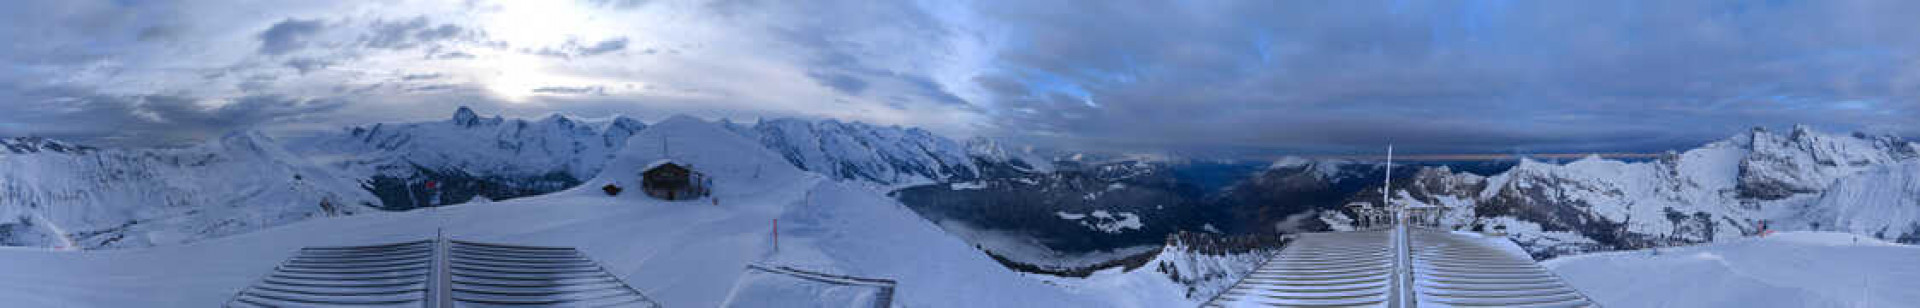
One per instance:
(942, 217)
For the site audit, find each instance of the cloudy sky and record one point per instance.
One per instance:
(1213, 77)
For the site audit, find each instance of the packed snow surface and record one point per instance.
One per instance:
(1791, 269)
(682, 254)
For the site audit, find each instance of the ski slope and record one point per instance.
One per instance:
(681, 254)
(1793, 269)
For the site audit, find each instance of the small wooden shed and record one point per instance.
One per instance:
(670, 180)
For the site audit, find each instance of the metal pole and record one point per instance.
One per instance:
(441, 292)
(1403, 259)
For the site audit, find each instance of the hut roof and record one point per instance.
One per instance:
(660, 162)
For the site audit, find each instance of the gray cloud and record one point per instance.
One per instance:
(603, 47)
(617, 4)
(89, 117)
(1189, 76)
(453, 55)
(1471, 76)
(410, 33)
(852, 66)
(573, 49)
(157, 33)
(304, 65)
(841, 82)
(430, 76)
(585, 90)
(288, 35)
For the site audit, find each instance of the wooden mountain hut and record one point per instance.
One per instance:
(670, 180)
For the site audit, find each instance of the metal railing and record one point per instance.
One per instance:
(440, 273)
(883, 298)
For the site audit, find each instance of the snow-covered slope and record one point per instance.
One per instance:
(889, 156)
(1722, 190)
(468, 156)
(1806, 161)
(680, 253)
(1792, 269)
(63, 196)
(1883, 202)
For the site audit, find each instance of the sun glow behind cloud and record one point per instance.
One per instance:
(515, 76)
(542, 23)
(529, 27)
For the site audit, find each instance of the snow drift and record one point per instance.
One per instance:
(1792, 269)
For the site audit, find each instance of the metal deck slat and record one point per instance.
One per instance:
(447, 272)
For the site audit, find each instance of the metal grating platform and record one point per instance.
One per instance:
(440, 273)
(509, 275)
(391, 275)
(1356, 269)
(1339, 269)
(1452, 270)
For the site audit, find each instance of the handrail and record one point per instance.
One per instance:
(886, 286)
(855, 280)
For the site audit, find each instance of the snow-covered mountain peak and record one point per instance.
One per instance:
(469, 155)
(1883, 202)
(619, 129)
(735, 165)
(1325, 168)
(239, 182)
(465, 117)
(558, 120)
(1025, 157)
(888, 156)
(29, 145)
(682, 120)
(250, 140)
(1805, 161)
(497, 146)
(1802, 179)
(1289, 162)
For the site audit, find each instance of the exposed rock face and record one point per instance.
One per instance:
(29, 145)
(1722, 190)
(1805, 161)
(1209, 264)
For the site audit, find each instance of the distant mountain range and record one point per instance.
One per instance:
(55, 194)
(1800, 180)
(1022, 204)
(59, 195)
